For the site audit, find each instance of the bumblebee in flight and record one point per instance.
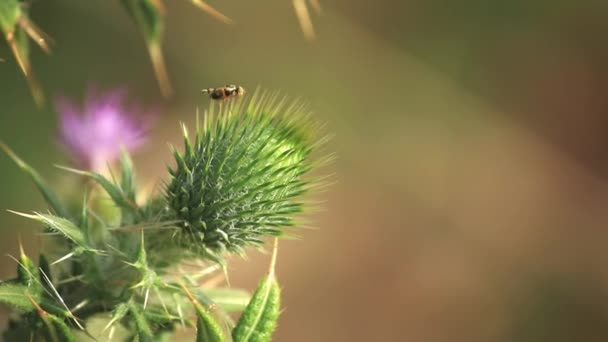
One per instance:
(224, 93)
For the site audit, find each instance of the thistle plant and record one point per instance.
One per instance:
(145, 269)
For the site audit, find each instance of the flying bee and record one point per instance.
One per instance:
(224, 93)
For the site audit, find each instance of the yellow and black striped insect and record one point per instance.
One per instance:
(224, 93)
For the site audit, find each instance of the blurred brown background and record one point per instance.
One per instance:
(471, 197)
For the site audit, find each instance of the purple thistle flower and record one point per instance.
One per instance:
(95, 133)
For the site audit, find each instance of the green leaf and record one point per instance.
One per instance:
(10, 11)
(144, 332)
(49, 196)
(60, 225)
(116, 193)
(259, 320)
(231, 300)
(127, 179)
(18, 296)
(148, 17)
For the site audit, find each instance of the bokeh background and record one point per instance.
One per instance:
(471, 201)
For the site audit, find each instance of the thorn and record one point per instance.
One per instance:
(21, 251)
(69, 169)
(225, 271)
(179, 311)
(304, 19)
(34, 32)
(213, 282)
(160, 7)
(20, 163)
(146, 297)
(68, 280)
(206, 120)
(212, 11)
(63, 258)
(160, 69)
(25, 67)
(189, 294)
(10, 39)
(80, 305)
(110, 324)
(198, 121)
(273, 259)
(209, 270)
(40, 310)
(14, 259)
(48, 281)
(30, 216)
(111, 334)
(160, 298)
(184, 130)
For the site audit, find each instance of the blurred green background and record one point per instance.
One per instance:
(471, 197)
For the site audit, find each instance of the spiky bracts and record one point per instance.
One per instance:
(241, 177)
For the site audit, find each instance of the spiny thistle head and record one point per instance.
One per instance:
(241, 177)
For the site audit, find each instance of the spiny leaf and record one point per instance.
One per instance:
(207, 329)
(144, 332)
(18, 296)
(118, 314)
(259, 320)
(60, 225)
(47, 193)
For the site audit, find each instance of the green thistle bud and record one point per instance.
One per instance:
(241, 178)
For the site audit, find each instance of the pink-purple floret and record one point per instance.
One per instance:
(95, 133)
